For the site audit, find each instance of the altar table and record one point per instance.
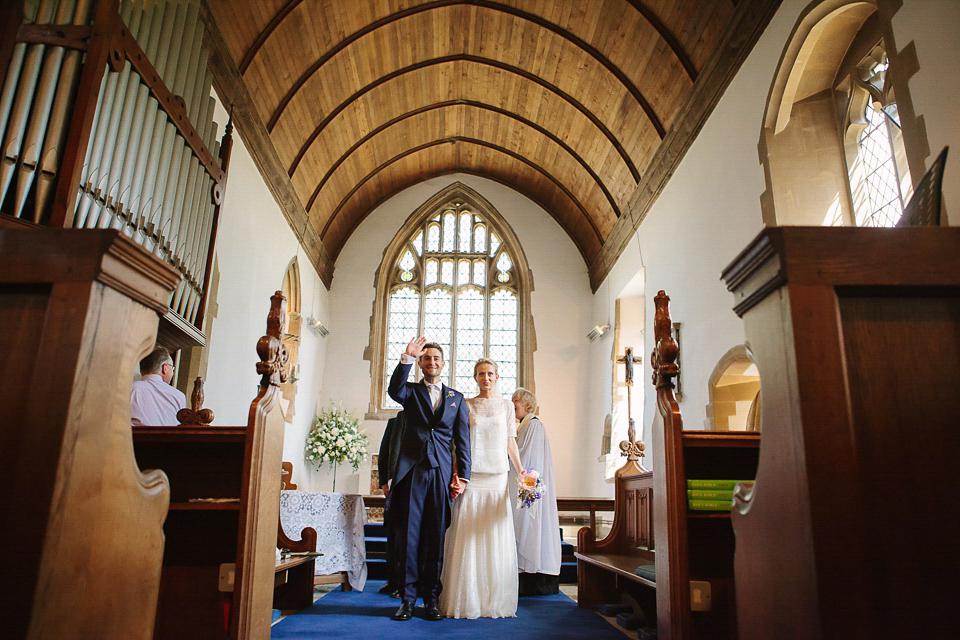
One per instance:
(338, 519)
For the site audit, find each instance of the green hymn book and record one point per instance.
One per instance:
(709, 505)
(717, 485)
(704, 494)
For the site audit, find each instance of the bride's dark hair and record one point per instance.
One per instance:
(485, 361)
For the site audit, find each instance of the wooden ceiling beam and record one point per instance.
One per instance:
(479, 105)
(264, 35)
(461, 57)
(485, 4)
(667, 36)
(453, 140)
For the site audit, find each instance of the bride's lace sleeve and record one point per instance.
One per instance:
(511, 418)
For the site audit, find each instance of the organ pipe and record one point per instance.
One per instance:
(113, 129)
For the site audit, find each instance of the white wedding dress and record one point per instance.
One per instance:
(479, 574)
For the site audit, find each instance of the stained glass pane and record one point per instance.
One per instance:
(433, 237)
(470, 324)
(403, 319)
(466, 221)
(479, 272)
(880, 203)
(449, 231)
(503, 338)
(437, 317)
(503, 267)
(446, 272)
(479, 238)
(432, 270)
(456, 297)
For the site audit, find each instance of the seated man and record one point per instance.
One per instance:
(154, 401)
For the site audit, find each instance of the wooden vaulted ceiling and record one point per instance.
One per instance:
(584, 106)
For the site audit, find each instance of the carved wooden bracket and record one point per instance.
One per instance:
(273, 355)
(634, 450)
(664, 356)
(195, 414)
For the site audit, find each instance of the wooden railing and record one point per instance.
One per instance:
(564, 505)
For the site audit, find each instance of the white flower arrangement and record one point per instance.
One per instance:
(336, 438)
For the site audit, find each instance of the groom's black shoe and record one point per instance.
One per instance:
(431, 611)
(405, 612)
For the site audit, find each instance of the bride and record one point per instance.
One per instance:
(479, 574)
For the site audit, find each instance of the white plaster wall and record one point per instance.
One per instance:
(254, 246)
(708, 212)
(931, 26)
(562, 308)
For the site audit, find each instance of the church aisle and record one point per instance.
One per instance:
(355, 615)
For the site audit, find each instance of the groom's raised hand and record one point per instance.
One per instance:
(415, 347)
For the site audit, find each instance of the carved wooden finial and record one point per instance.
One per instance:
(196, 414)
(665, 352)
(273, 355)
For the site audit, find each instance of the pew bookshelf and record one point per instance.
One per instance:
(201, 463)
(704, 541)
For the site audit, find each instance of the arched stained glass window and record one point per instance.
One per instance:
(879, 178)
(451, 276)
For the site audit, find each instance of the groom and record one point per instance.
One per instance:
(420, 496)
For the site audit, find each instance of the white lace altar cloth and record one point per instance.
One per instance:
(338, 519)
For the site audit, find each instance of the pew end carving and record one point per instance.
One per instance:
(694, 549)
(79, 309)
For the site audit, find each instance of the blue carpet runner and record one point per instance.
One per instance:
(366, 614)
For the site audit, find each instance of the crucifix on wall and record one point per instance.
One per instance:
(631, 447)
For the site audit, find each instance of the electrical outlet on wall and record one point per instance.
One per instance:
(700, 599)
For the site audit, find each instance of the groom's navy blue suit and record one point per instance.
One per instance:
(420, 493)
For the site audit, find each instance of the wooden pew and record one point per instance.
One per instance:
(852, 528)
(694, 559)
(81, 535)
(294, 577)
(293, 583)
(621, 566)
(221, 532)
(606, 569)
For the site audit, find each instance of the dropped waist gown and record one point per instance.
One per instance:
(479, 574)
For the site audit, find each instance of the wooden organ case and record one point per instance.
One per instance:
(106, 122)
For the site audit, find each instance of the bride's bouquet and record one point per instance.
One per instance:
(530, 488)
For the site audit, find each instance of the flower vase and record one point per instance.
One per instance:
(334, 489)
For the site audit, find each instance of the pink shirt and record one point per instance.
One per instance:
(155, 403)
